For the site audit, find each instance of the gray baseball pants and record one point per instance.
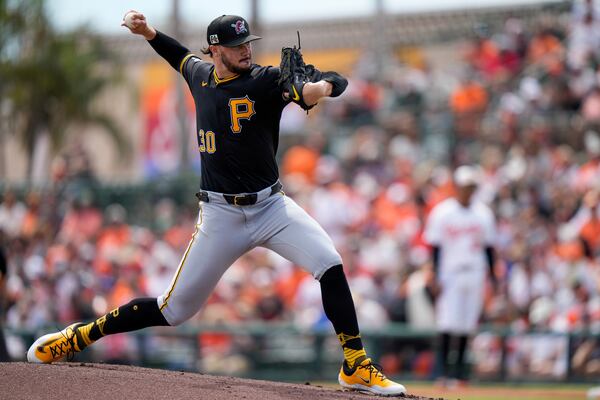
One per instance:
(225, 232)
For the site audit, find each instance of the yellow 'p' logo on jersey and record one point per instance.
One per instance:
(242, 108)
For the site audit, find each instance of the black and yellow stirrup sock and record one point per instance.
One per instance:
(339, 308)
(137, 314)
(353, 348)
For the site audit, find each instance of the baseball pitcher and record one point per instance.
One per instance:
(242, 206)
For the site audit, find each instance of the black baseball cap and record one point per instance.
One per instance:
(229, 31)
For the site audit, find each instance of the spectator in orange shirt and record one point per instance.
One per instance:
(468, 103)
(546, 50)
(590, 231)
(303, 159)
(32, 223)
(81, 223)
(395, 207)
(469, 97)
(543, 44)
(112, 238)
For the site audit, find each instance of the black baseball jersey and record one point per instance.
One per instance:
(237, 119)
(237, 125)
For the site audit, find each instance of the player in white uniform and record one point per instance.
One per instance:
(461, 232)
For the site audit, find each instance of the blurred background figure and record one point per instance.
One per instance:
(462, 233)
(12, 214)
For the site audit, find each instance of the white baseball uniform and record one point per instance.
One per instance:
(462, 234)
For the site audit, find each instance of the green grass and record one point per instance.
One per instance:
(502, 391)
(497, 391)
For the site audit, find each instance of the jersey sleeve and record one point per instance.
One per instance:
(338, 82)
(169, 49)
(270, 76)
(190, 66)
(178, 56)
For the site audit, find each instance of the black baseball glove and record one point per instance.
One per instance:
(294, 74)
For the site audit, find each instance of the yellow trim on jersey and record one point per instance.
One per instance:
(183, 62)
(180, 267)
(217, 80)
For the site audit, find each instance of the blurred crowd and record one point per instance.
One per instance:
(523, 104)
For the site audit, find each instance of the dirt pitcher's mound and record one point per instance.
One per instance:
(62, 381)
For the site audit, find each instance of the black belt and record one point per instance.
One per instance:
(247, 199)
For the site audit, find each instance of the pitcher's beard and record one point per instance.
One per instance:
(233, 68)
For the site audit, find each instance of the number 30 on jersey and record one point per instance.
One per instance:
(206, 141)
(241, 108)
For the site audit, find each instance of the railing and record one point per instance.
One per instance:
(283, 351)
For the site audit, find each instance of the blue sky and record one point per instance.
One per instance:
(105, 16)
